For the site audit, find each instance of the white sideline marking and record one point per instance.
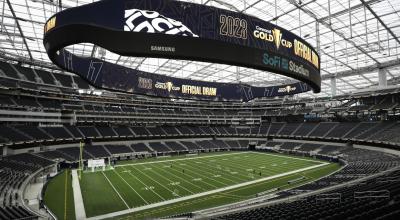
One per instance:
(220, 155)
(115, 190)
(292, 158)
(123, 212)
(78, 200)
(194, 158)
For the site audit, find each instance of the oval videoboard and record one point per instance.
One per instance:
(179, 30)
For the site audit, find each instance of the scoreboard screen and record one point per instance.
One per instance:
(179, 30)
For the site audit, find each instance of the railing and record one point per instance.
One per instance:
(372, 194)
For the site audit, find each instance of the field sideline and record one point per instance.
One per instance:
(142, 186)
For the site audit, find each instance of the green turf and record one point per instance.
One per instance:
(161, 158)
(103, 199)
(227, 197)
(59, 197)
(153, 181)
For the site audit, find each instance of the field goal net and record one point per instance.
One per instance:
(96, 165)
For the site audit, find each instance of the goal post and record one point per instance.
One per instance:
(81, 144)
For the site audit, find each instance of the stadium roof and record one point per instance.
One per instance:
(357, 37)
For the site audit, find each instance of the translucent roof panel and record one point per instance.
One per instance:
(354, 38)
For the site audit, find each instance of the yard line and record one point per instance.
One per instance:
(289, 166)
(213, 186)
(241, 166)
(204, 176)
(198, 170)
(172, 181)
(179, 177)
(246, 178)
(109, 215)
(231, 167)
(152, 179)
(192, 158)
(212, 170)
(162, 198)
(130, 186)
(233, 176)
(115, 190)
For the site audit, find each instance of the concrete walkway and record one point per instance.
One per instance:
(78, 201)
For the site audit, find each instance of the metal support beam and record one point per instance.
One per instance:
(251, 5)
(336, 14)
(237, 74)
(329, 12)
(333, 86)
(351, 24)
(366, 4)
(290, 11)
(349, 84)
(332, 29)
(366, 24)
(317, 38)
(363, 70)
(93, 51)
(160, 66)
(382, 78)
(363, 76)
(329, 85)
(276, 12)
(19, 28)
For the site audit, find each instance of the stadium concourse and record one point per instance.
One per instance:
(133, 147)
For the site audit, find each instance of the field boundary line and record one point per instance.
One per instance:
(294, 158)
(114, 214)
(191, 158)
(145, 185)
(116, 190)
(65, 194)
(130, 186)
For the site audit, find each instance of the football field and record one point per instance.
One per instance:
(162, 184)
